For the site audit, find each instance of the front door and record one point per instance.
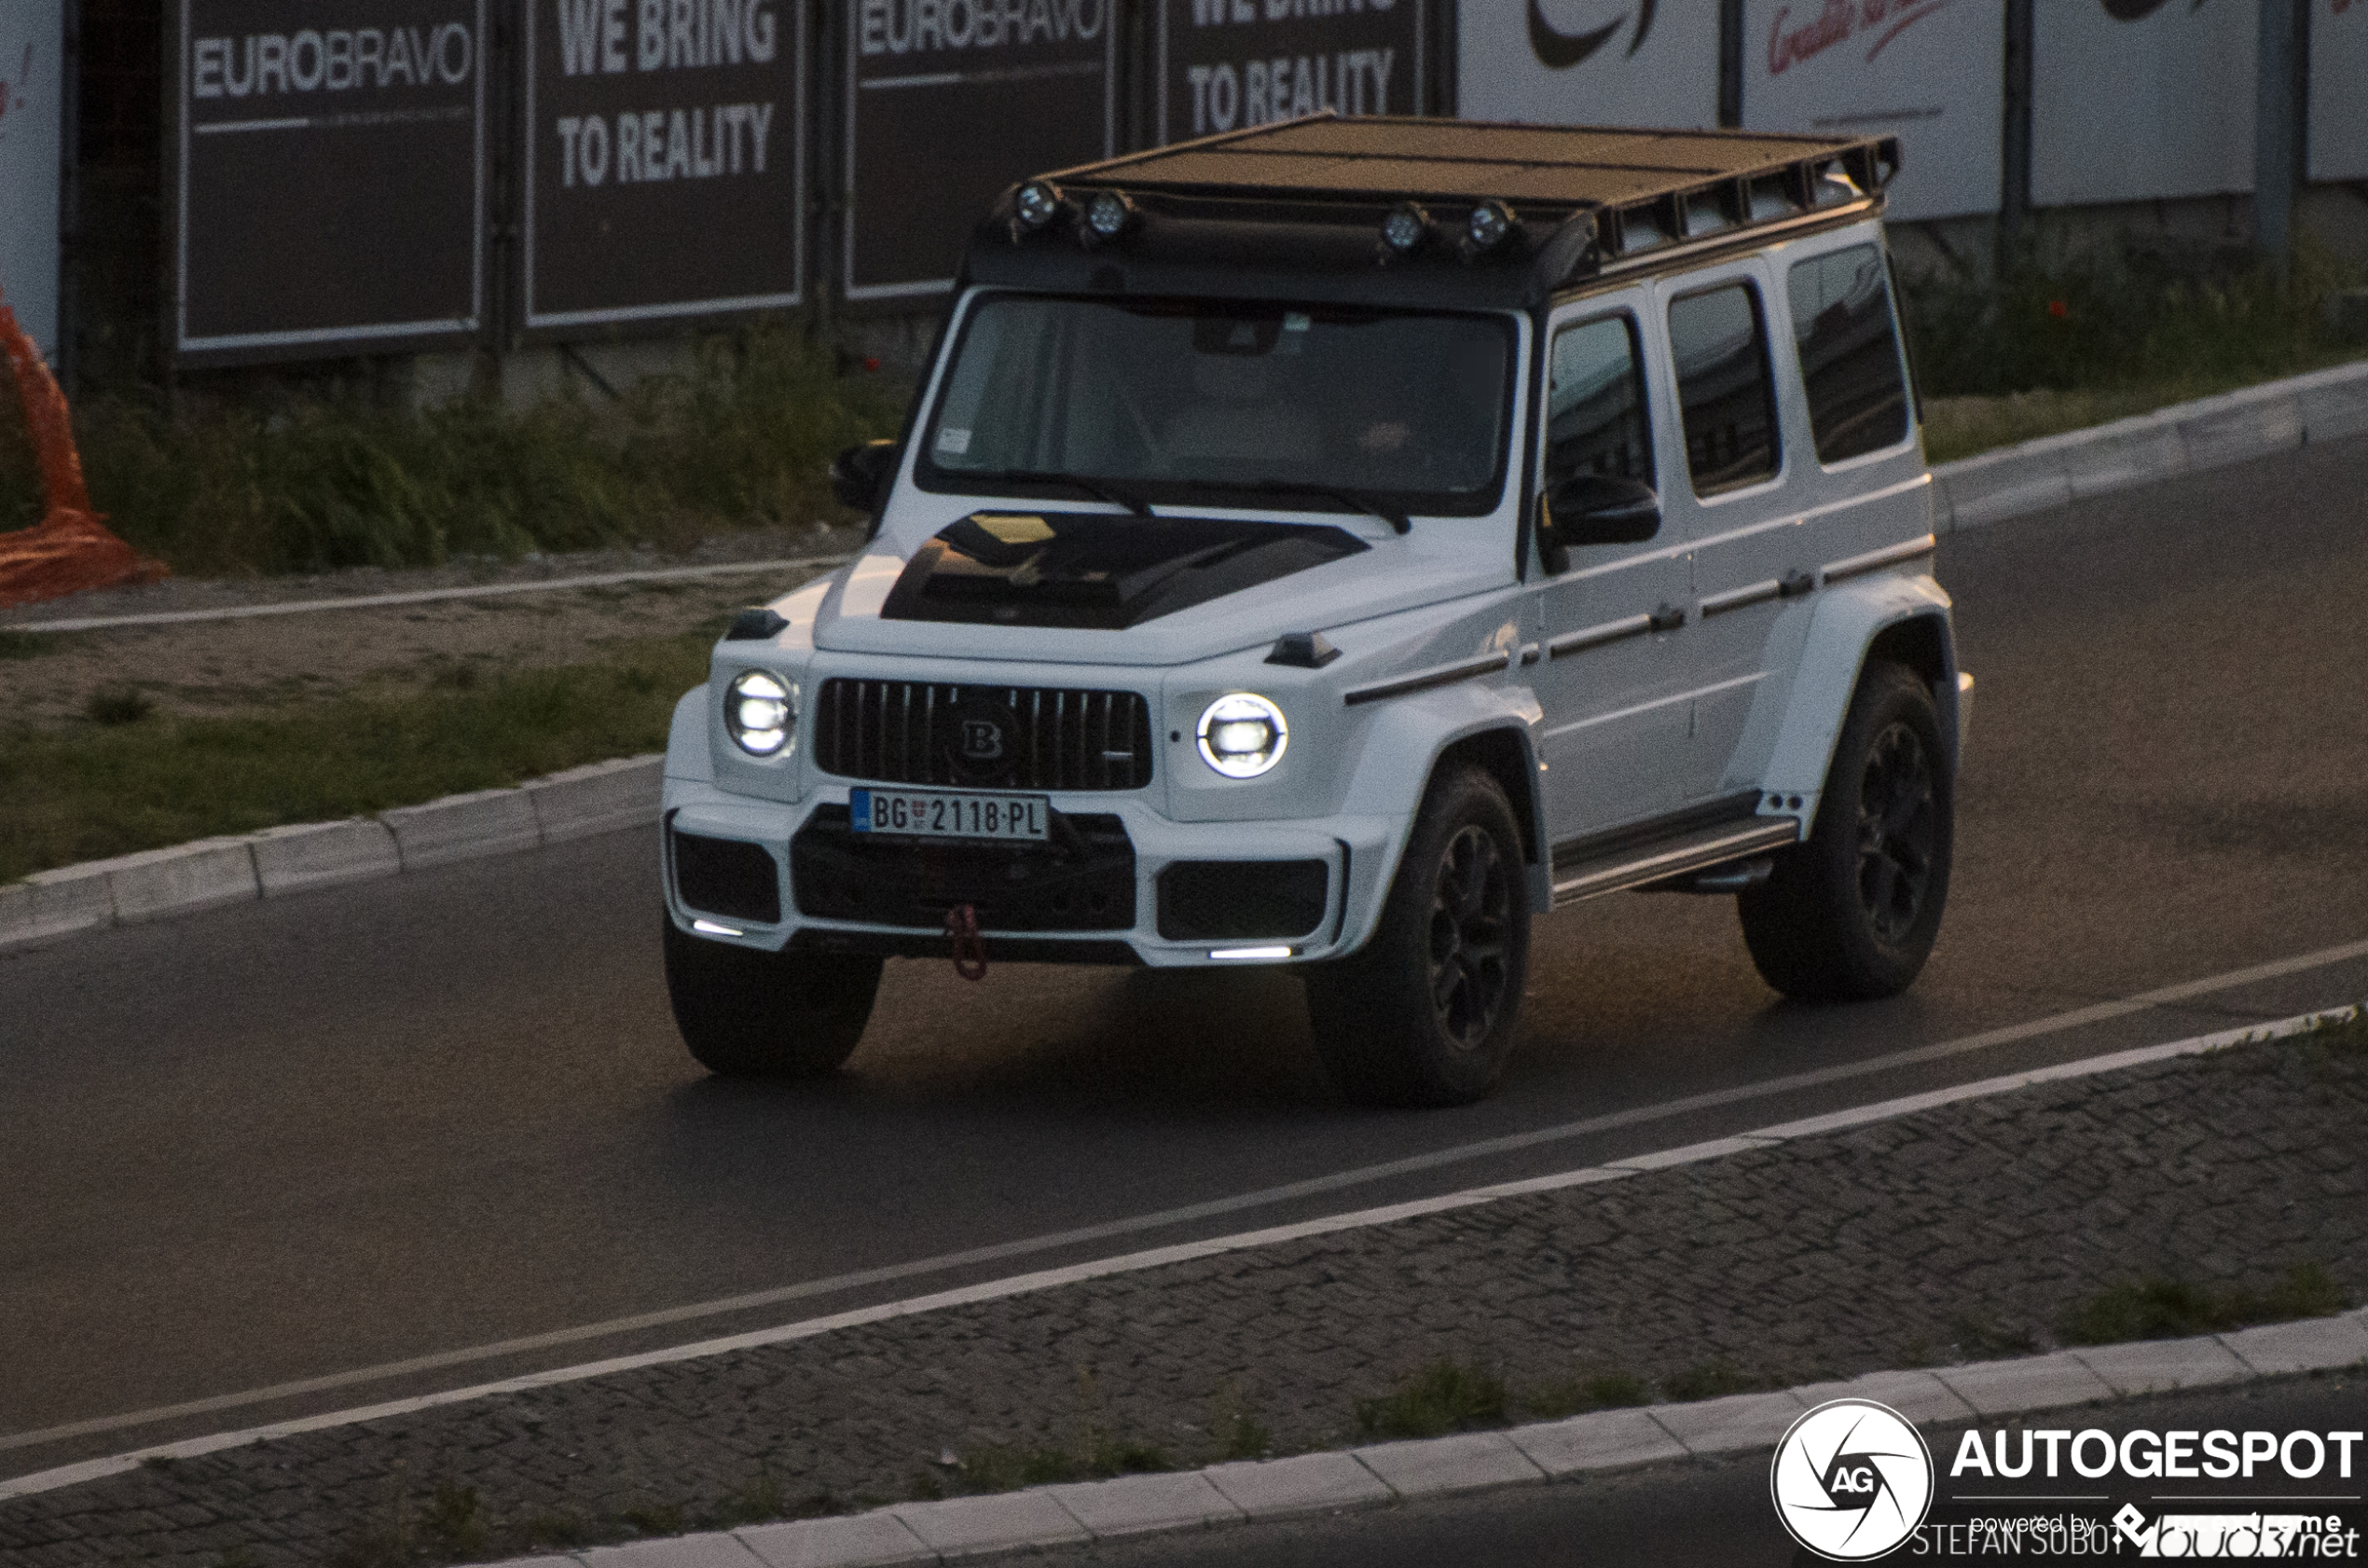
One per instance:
(1611, 673)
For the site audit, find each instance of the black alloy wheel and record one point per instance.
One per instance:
(1423, 1013)
(1471, 919)
(1851, 911)
(1897, 833)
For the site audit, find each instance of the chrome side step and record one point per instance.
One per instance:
(1675, 856)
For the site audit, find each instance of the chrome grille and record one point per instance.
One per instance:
(910, 731)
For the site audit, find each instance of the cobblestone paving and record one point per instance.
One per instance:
(1958, 1234)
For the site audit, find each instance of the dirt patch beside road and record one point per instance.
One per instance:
(226, 668)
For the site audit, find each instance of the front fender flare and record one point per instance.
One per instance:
(1401, 749)
(687, 757)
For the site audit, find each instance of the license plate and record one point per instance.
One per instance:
(943, 814)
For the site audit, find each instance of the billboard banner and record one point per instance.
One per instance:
(31, 80)
(2338, 132)
(665, 175)
(950, 101)
(2137, 99)
(1229, 64)
(331, 176)
(1930, 72)
(1588, 62)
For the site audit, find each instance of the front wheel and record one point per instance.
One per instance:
(1422, 1014)
(748, 1013)
(1851, 915)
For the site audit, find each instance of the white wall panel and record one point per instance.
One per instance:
(2137, 99)
(1589, 62)
(1931, 75)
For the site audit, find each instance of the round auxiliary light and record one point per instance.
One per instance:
(1107, 214)
(759, 711)
(1242, 734)
(1038, 203)
(1489, 222)
(1406, 227)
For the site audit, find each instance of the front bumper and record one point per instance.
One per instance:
(1091, 896)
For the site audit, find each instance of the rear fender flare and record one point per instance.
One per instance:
(1847, 625)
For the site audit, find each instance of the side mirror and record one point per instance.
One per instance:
(1599, 509)
(860, 475)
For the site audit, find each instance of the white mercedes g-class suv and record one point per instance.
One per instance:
(1332, 544)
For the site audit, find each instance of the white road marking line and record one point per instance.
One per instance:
(1136, 1224)
(1102, 1267)
(422, 595)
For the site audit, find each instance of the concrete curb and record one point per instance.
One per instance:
(1383, 1474)
(602, 797)
(2184, 438)
(215, 871)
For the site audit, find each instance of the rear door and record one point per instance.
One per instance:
(1802, 462)
(1610, 673)
(1729, 502)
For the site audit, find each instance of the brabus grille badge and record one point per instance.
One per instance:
(1097, 571)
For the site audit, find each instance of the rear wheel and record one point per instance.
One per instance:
(1422, 1015)
(748, 1013)
(1851, 913)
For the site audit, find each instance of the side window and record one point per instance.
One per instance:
(1595, 420)
(1719, 343)
(1849, 353)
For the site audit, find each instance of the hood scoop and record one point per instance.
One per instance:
(1096, 571)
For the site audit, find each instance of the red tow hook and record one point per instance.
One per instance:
(969, 949)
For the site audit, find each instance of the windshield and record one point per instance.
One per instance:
(1224, 402)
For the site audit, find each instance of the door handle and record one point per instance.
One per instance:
(1795, 584)
(1669, 617)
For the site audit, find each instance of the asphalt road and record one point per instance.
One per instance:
(1716, 1514)
(301, 1139)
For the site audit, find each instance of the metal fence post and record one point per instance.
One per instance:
(2280, 84)
(2013, 195)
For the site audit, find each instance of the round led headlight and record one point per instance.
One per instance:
(1037, 204)
(759, 711)
(1107, 214)
(1489, 222)
(1406, 227)
(1242, 734)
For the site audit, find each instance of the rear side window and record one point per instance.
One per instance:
(1595, 420)
(1849, 353)
(1719, 342)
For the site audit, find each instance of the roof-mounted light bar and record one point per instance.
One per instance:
(1406, 227)
(1037, 204)
(1108, 213)
(1490, 226)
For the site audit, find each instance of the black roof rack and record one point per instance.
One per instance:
(1582, 202)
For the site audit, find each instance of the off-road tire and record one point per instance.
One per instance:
(746, 1014)
(1423, 1013)
(1850, 915)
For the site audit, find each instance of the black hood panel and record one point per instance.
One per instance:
(1097, 571)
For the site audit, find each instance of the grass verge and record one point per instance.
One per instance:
(332, 477)
(2167, 1308)
(1965, 427)
(124, 783)
(1445, 1396)
(2066, 342)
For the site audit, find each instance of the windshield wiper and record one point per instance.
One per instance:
(1355, 500)
(1098, 490)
